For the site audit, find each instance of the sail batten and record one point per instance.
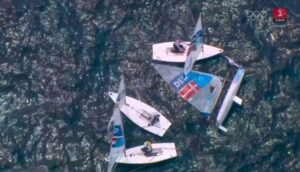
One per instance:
(202, 90)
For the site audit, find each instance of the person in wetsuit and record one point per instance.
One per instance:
(178, 47)
(154, 120)
(147, 148)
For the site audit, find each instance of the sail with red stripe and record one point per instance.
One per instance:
(117, 149)
(202, 90)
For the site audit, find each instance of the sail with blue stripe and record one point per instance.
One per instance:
(117, 149)
(202, 90)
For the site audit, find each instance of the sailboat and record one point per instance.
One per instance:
(202, 90)
(135, 155)
(163, 51)
(140, 113)
(230, 96)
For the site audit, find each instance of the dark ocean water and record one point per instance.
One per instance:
(58, 59)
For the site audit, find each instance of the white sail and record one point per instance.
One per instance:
(121, 99)
(117, 149)
(195, 48)
(202, 90)
(198, 25)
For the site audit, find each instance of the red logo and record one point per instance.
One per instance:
(280, 15)
(189, 90)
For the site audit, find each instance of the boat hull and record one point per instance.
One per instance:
(162, 52)
(163, 151)
(134, 110)
(230, 96)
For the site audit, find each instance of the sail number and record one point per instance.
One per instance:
(179, 81)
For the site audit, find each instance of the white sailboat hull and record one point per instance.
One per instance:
(162, 52)
(133, 109)
(230, 98)
(135, 155)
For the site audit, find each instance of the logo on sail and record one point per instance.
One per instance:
(179, 81)
(198, 38)
(118, 130)
(197, 42)
(118, 137)
(189, 90)
(117, 142)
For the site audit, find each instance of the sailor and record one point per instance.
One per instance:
(178, 47)
(147, 149)
(154, 120)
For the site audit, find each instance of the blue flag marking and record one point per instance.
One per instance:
(206, 114)
(118, 130)
(118, 137)
(198, 38)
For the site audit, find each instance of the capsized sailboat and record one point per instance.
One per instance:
(196, 49)
(135, 155)
(230, 95)
(202, 90)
